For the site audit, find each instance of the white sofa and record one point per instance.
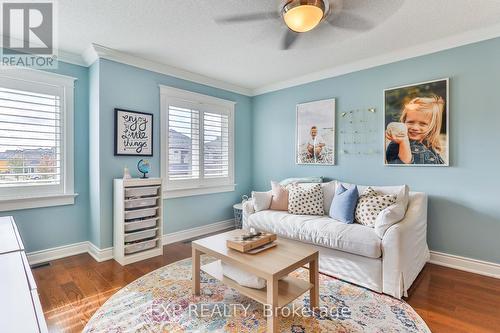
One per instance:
(354, 252)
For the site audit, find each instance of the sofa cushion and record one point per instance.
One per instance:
(392, 214)
(261, 200)
(328, 194)
(370, 204)
(305, 201)
(400, 191)
(319, 230)
(280, 197)
(344, 204)
(289, 181)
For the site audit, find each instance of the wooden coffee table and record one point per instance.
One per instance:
(273, 265)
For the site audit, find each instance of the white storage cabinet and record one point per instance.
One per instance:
(138, 219)
(20, 308)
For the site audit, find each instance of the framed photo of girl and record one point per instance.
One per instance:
(315, 133)
(416, 124)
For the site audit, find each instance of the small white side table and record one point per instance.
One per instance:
(238, 215)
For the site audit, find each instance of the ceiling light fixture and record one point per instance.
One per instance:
(303, 15)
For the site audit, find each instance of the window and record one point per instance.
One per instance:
(36, 139)
(197, 143)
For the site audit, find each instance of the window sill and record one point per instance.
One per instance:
(7, 204)
(188, 192)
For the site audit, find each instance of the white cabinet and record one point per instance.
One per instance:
(138, 219)
(20, 309)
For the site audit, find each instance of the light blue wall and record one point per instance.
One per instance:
(127, 87)
(98, 90)
(464, 205)
(43, 228)
(464, 210)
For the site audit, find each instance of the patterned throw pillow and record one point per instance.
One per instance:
(305, 200)
(370, 204)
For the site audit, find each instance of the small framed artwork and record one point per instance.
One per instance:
(315, 133)
(416, 131)
(133, 133)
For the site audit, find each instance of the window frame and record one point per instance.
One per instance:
(202, 103)
(45, 195)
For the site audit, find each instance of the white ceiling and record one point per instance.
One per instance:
(185, 35)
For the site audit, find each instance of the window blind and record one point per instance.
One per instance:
(198, 144)
(216, 145)
(183, 143)
(30, 138)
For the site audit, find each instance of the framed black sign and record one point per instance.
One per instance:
(133, 133)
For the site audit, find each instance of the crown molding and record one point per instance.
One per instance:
(71, 58)
(98, 51)
(90, 55)
(454, 41)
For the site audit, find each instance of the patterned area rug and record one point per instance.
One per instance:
(162, 302)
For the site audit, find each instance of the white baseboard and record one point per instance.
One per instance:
(453, 261)
(182, 235)
(466, 264)
(100, 255)
(59, 252)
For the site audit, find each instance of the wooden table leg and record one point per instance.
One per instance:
(314, 280)
(273, 324)
(196, 271)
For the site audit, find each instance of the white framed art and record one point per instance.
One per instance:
(315, 133)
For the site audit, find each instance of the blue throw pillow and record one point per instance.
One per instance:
(344, 204)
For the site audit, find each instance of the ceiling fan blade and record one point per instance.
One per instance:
(354, 4)
(248, 17)
(289, 39)
(345, 20)
(351, 5)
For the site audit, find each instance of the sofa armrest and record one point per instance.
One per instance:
(248, 210)
(404, 248)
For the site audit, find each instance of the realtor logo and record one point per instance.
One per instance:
(28, 34)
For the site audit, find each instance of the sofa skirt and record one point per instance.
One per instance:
(363, 271)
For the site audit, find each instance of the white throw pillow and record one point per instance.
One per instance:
(305, 201)
(392, 214)
(328, 194)
(242, 277)
(261, 200)
(370, 204)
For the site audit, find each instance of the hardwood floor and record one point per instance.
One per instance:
(450, 300)
(73, 288)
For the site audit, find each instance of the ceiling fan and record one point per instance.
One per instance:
(302, 16)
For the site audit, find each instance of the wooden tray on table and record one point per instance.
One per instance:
(238, 244)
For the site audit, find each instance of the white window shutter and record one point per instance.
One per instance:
(216, 145)
(183, 143)
(30, 138)
(197, 143)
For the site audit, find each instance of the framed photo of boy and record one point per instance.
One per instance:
(416, 131)
(315, 133)
(133, 133)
